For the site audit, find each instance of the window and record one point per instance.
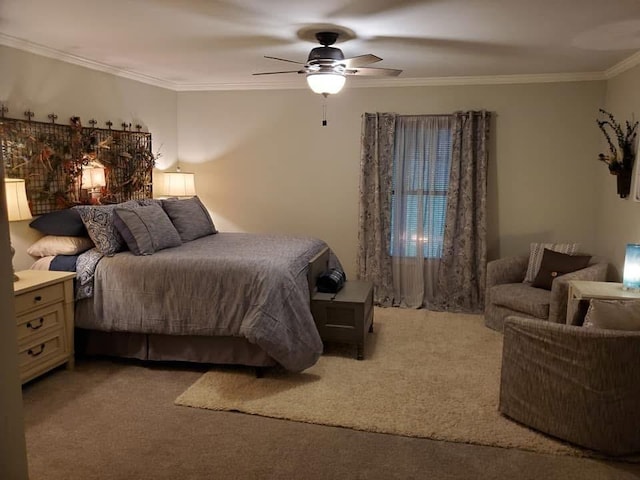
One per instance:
(421, 164)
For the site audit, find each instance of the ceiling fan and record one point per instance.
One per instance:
(326, 68)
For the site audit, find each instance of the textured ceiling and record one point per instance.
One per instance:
(194, 44)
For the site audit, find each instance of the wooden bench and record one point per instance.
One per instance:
(346, 316)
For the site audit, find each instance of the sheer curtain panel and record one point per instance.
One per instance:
(420, 179)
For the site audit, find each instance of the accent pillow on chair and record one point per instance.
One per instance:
(555, 264)
(536, 251)
(613, 315)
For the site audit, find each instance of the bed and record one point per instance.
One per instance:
(222, 298)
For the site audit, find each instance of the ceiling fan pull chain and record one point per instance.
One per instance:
(324, 112)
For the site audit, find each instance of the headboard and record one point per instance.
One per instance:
(50, 158)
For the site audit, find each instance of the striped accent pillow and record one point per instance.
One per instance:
(537, 250)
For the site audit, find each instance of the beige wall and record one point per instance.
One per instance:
(44, 86)
(264, 163)
(618, 220)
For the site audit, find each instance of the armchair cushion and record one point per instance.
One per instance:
(555, 264)
(520, 297)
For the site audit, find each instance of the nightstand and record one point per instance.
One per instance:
(346, 316)
(44, 314)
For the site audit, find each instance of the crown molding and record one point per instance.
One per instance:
(361, 82)
(623, 66)
(30, 47)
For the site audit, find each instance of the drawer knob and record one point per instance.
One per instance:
(33, 353)
(37, 299)
(33, 326)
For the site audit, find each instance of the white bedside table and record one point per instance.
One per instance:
(584, 290)
(44, 314)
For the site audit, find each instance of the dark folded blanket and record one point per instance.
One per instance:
(64, 263)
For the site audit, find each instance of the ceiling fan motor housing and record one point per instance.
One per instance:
(325, 53)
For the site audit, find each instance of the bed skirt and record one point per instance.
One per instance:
(183, 348)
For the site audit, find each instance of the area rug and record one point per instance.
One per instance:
(425, 374)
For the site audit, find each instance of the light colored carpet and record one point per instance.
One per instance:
(425, 374)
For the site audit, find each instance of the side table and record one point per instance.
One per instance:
(44, 319)
(345, 316)
(581, 291)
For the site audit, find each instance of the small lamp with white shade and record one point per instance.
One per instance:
(178, 184)
(17, 204)
(93, 179)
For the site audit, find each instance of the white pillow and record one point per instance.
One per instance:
(42, 263)
(537, 250)
(59, 245)
(613, 315)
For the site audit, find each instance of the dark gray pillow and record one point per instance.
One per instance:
(99, 222)
(146, 229)
(190, 217)
(555, 264)
(67, 223)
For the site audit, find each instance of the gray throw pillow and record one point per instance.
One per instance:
(613, 315)
(98, 219)
(146, 229)
(190, 217)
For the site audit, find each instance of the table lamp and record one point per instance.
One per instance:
(178, 184)
(93, 179)
(17, 205)
(631, 275)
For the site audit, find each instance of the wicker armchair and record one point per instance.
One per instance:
(506, 294)
(578, 384)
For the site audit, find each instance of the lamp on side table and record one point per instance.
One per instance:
(17, 204)
(631, 280)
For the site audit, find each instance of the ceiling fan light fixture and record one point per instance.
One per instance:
(326, 83)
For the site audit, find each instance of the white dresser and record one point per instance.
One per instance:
(44, 314)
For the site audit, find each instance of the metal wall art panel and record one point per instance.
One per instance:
(51, 157)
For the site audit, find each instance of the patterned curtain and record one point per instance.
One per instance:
(376, 167)
(463, 266)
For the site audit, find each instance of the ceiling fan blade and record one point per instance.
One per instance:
(275, 73)
(372, 7)
(372, 71)
(284, 60)
(360, 60)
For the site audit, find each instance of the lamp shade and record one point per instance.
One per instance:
(17, 203)
(631, 276)
(178, 184)
(93, 177)
(326, 83)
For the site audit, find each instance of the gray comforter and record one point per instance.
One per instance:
(228, 284)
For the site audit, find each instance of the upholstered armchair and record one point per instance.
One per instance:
(578, 384)
(506, 294)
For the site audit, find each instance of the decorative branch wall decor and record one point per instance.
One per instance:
(50, 158)
(622, 156)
